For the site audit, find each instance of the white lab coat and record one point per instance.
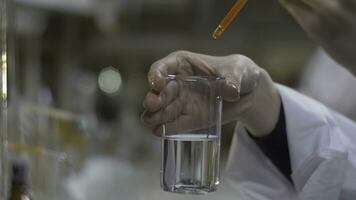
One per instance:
(328, 82)
(322, 147)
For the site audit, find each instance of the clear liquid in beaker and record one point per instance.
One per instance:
(190, 163)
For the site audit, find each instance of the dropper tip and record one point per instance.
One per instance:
(217, 33)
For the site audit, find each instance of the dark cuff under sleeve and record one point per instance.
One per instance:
(275, 146)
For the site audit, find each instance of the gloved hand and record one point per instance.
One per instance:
(331, 23)
(249, 94)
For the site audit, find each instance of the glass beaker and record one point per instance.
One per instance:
(46, 170)
(54, 130)
(191, 134)
(5, 56)
(51, 144)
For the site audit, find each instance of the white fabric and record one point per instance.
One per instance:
(328, 82)
(322, 147)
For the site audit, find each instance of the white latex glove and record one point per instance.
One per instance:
(331, 23)
(248, 92)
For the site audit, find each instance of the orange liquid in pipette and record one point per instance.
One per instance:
(228, 18)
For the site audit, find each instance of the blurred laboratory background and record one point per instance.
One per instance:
(77, 79)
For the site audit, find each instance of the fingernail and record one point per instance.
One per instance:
(233, 86)
(236, 88)
(152, 83)
(158, 130)
(232, 91)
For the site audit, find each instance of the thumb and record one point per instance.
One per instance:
(179, 63)
(240, 74)
(239, 80)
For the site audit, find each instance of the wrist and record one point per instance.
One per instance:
(263, 114)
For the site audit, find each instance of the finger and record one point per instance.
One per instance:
(155, 101)
(173, 64)
(180, 63)
(152, 102)
(168, 114)
(201, 64)
(145, 118)
(199, 108)
(230, 86)
(170, 92)
(239, 79)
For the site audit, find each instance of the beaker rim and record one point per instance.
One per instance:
(194, 78)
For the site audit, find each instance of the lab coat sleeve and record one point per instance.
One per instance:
(322, 151)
